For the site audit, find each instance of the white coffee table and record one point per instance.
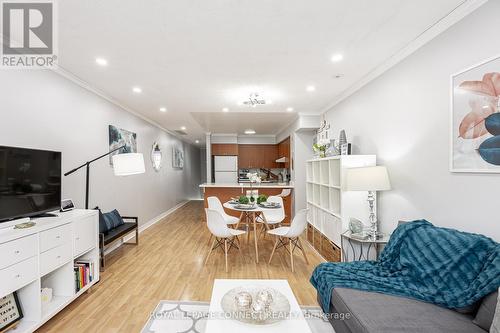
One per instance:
(296, 324)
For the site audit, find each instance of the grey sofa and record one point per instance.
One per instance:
(356, 311)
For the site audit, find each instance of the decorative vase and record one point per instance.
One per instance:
(342, 138)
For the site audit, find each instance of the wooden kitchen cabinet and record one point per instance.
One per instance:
(222, 149)
(257, 156)
(284, 151)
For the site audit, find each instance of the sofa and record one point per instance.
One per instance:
(356, 311)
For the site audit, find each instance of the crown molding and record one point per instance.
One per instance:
(454, 16)
(85, 85)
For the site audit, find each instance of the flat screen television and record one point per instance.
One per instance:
(30, 182)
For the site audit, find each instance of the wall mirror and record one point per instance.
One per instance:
(156, 156)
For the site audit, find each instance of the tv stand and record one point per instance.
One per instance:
(44, 215)
(45, 256)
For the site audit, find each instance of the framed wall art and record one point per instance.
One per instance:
(475, 118)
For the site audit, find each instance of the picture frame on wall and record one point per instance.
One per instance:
(475, 118)
(178, 156)
(10, 311)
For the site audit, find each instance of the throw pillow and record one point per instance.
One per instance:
(484, 316)
(102, 223)
(112, 219)
(495, 326)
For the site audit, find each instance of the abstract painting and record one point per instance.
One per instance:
(475, 108)
(119, 137)
(178, 156)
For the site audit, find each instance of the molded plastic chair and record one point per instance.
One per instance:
(285, 192)
(292, 233)
(223, 236)
(215, 204)
(273, 216)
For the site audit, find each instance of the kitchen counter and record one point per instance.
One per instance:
(226, 191)
(247, 185)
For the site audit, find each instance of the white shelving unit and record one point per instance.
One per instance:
(330, 206)
(43, 257)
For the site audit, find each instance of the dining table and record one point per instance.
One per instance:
(248, 216)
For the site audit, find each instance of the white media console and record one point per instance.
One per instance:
(43, 256)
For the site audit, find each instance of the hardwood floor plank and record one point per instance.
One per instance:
(169, 265)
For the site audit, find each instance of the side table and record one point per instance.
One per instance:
(354, 249)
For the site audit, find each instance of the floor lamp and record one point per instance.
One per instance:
(371, 179)
(125, 164)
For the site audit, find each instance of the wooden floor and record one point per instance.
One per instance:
(168, 265)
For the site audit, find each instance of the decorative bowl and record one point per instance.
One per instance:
(245, 206)
(256, 305)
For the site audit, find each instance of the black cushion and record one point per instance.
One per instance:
(119, 232)
(486, 312)
(112, 220)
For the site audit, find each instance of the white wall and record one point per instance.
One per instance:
(404, 116)
(301, 140)
(40, 109)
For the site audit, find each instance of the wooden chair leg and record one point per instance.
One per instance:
(274, 249)
(291, 254)
(225, 252)
(210, 250)
(303, 251)
(137, 235)
(210, 239)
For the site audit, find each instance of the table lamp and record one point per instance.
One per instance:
(371, 179)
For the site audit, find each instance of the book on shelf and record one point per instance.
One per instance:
(84, 273)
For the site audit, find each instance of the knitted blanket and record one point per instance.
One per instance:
(438, 265)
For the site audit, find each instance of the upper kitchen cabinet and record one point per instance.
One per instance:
(284, 152)
(257, 156)
(223, 149)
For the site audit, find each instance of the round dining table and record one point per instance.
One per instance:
(249, 216)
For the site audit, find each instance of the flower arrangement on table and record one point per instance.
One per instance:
(321, 146)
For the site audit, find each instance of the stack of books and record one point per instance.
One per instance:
(84, 273)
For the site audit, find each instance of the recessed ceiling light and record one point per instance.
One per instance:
(310, 88)
(249, 131)
(137, 90)
(101, 61)
(183, 128)
(289, 109)
(163, 109)
(337, 57)
(196, 141)
(225, 110)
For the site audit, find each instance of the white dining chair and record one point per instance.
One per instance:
(224, 237)
(285, 192)
(215, 204)
(273, 217)
(291, 236)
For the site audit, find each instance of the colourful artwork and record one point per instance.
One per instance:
(476, 118)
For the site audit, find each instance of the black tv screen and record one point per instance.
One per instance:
(30, 182)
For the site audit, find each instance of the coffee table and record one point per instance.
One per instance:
(296, 324)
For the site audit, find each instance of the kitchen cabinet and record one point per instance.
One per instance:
(222, 149)
(257, 156)
(284, 151)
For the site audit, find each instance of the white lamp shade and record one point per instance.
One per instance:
(373, 178)
(128, 164)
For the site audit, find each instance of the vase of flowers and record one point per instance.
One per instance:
(321, 146)
(254, 179)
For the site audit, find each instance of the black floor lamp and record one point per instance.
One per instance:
(124, 164)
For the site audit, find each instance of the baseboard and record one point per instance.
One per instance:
(143, 227)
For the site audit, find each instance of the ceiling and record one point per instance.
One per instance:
(195, 57)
